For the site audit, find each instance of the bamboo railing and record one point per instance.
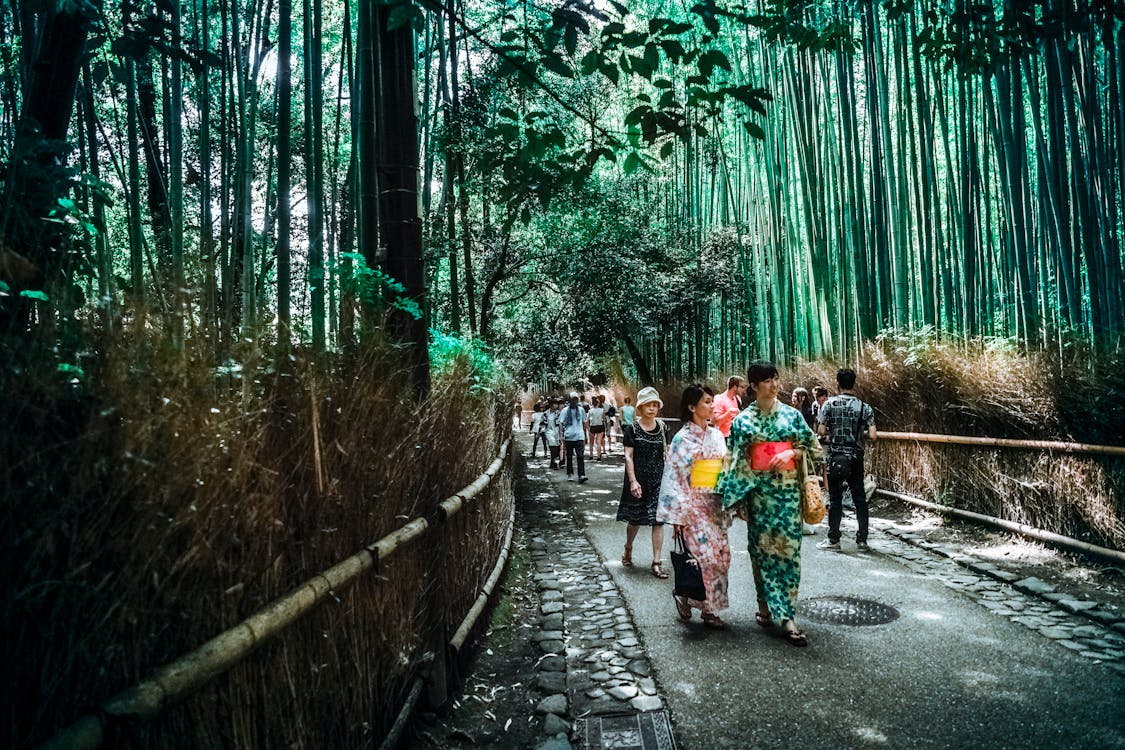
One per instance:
(986, 442)
(175, 681)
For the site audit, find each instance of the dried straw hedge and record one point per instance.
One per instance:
(164, 504)
(922, 385)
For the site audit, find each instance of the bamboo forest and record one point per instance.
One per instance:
(274, 276)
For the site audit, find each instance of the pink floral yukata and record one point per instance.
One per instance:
(698, 510)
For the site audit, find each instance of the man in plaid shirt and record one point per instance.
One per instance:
(847, 422)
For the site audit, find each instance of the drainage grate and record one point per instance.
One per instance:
(645, 731)
(846, 610)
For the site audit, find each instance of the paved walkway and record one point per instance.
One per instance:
(970, 661)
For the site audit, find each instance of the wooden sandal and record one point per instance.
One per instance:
(764, 621)
(683, 609)
(796, 638)
(713, 621)
(658, 570)
(627, 558)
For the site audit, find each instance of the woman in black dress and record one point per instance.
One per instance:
(646, 442)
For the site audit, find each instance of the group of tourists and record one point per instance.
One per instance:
(566, 426)
(736, 455)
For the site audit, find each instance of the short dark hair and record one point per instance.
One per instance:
(819, 390)
(845, 378)
(691, 396)
(734, 381)
(760, 371)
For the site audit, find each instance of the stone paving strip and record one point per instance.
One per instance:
(1083, 626)
(592, 662)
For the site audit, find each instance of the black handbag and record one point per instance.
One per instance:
(688, 576)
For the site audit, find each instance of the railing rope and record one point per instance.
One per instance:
(1048, 445)
(178, 679)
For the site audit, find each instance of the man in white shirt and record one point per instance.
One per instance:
(573, 421)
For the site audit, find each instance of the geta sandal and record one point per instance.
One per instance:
(683, 609)
(658, 570)
(713, 621)
(764, 621)
(796, 638)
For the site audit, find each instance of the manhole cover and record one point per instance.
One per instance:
(846, 610)
(651, 730)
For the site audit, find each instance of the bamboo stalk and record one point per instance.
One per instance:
(183, 676)
(1048, 445)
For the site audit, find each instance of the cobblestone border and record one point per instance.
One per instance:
(1077, 625)
(592, 661)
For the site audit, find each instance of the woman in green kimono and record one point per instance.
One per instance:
(766, 441)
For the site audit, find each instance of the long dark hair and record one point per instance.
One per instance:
(691, 396)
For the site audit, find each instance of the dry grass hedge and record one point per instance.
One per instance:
(920, 384)
(162, 503)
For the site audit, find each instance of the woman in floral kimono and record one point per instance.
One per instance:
(693, 507)
(766, 442)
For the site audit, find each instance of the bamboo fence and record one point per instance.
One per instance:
(987, 442)
(177, 680)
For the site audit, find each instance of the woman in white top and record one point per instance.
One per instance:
(596, 419)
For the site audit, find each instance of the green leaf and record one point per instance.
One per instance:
(673, 49)
(632, 162)
(554, 63)
(35, 295)
(4, 289)
(755, 130)
(590, 62)
(666, 149)
(712, 59)
(570, 40)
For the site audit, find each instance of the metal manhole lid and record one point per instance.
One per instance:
(651, 730)
(846, 610)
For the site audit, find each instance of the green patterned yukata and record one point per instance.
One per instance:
(773, 502)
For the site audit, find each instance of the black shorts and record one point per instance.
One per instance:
(597, 429)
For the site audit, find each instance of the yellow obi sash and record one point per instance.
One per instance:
(705, 472)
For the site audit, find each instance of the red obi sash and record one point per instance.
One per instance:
(762, 453)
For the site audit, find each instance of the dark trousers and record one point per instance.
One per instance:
(535, 443)
(575, 447)
(555, 449)
(854, 480)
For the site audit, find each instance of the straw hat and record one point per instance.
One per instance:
(647, 395)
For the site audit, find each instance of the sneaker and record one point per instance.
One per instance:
(862, 547)
(807, 529)
(583, 479)
(828, 544)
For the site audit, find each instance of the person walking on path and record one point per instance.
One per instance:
(846, 421)
(766, 441)
(596, 419)
(628, 413)
(688, 502)
(539, 428)
(554, 431)
(727, 404)
(610, 420)
(573, 421)
(802, 402)
(646, 442)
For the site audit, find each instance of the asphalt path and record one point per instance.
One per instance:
(946, 674)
